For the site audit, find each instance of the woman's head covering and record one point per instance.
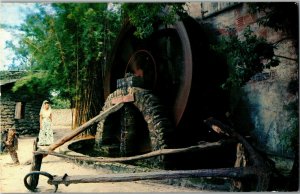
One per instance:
(43, 106)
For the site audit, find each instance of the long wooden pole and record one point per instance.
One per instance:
(221, 172)
(35, 166)
(207, 145)
(83, 127)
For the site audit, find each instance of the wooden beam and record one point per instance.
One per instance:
(207, 145)
(264, 170)
(125, 177)
(83, 127)
(35, 166)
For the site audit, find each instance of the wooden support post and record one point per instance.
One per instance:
(35, 166)
(239, 162)
(263, 169)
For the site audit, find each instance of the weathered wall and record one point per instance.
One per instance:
(258, 107)
(27, 125)
(62, 117)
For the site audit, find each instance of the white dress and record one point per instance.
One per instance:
(46, 132)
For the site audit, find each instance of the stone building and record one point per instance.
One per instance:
(19, 110)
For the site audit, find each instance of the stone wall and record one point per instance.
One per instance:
(259, 108)
(29, 124)
(267, 101)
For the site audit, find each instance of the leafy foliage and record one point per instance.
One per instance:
(278, 16)
(144, 15)
(33, 82)
(60, 103)
(70, 43)
(246, 56)
(252, 54)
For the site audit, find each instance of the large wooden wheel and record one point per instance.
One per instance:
(169, 75)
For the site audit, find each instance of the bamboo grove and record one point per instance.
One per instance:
(67, 47)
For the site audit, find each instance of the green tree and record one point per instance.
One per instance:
(70, 43)
(244, 56)
(67, 46)
(282, 16)
(145, 15)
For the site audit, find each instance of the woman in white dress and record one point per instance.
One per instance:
(46, 132)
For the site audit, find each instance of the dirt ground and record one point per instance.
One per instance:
(11, 179)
